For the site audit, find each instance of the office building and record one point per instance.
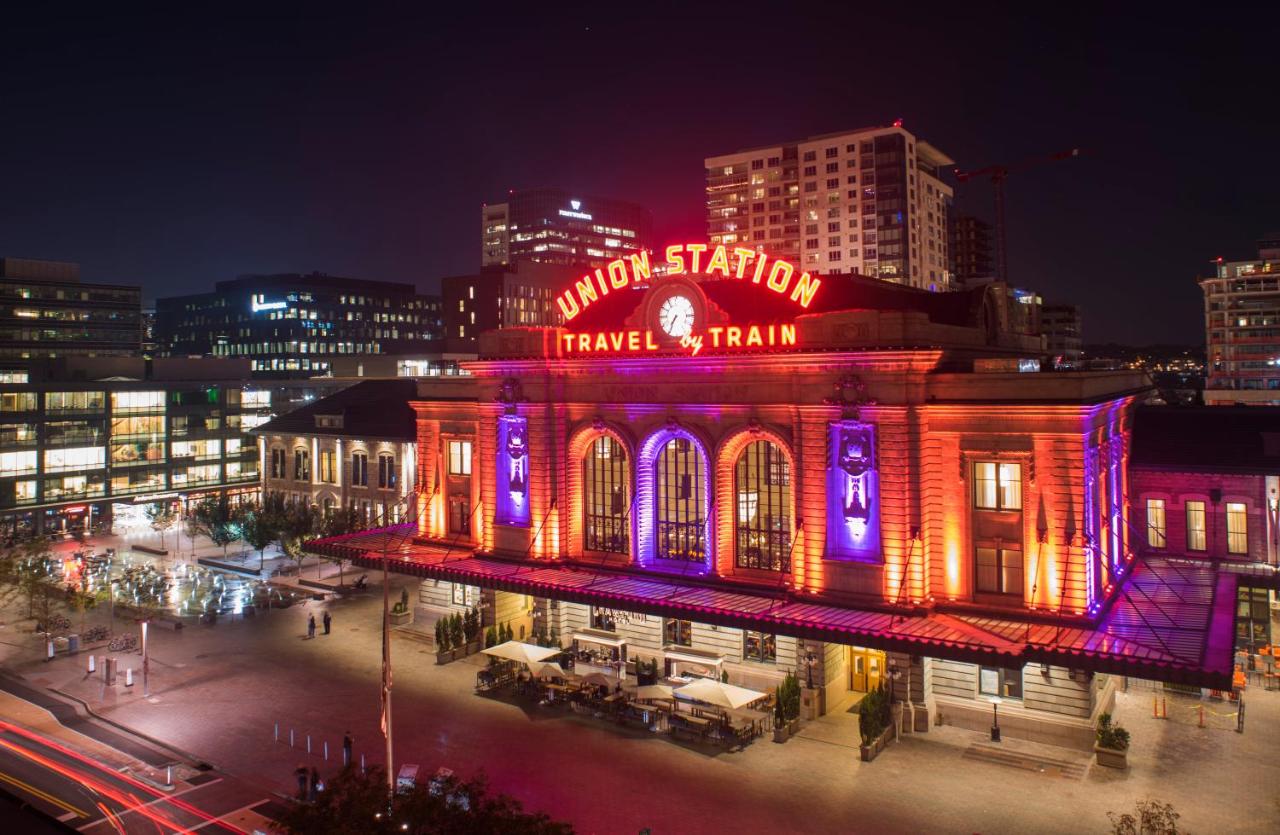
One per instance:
(511, 296)
(971, 250)
(1060, 324)
(46, 311)
(868, 201)
(89, 443)
(293, 325)
(849, 480)
(1242, 329)
(554, 226)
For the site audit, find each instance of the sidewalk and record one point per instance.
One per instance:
(219, 691)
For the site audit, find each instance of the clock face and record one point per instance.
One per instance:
(676, 316)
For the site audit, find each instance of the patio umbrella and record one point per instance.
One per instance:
(522, 652)
(550, 669)
(599, 678)
(718, 693)
(653, 691)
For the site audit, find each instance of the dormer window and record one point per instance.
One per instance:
(328, 421)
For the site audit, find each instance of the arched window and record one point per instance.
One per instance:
(680, 502)
(604, 481)
(762, 493)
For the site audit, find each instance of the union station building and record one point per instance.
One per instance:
(731, 467)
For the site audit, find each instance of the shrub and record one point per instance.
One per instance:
(490, 637)
(456, 635)
(442, 635)
(471, 624)
(1153, 818)
(1115, 737)
(778, 710)
(874, 714)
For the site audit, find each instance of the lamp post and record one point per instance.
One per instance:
(809, 658)
(995, 718)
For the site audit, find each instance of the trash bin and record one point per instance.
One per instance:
(109, 671)
(73, 643)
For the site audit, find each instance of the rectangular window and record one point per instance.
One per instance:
(359, 469)
(459, 458)
(458, 594)
(759, 646)
(17, 463)
(75, 458)
(997, 486)
(1237, 528)
(993, 681)
(1195, 526)
(137, 401)
(301, 465)
(277, 463)
(999, 571)
(1155, 523)
(18, 401)
(677, 632)
(327, 468)
(386, 471)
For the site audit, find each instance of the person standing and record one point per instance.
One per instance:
(301, 773)
(327, 621)
(316, 785)
(311, 626)
(347, 742)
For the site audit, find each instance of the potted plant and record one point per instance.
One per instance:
(490, 637)
(875, 723)
(444, 643)
(402, 612)
(791, 703)
(780, 728)
(1112, 744)
(471, 626)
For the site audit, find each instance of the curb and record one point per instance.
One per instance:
(163, 746)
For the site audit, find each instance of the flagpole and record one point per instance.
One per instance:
(386, 664)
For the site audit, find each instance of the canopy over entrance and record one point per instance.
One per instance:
(1170, 621)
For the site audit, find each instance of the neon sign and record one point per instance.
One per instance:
(774, 274)
(716, 337)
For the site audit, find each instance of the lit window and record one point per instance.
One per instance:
(359, 469)
(459, 458)
(993, 681)
(1155, 523)
(1195, 526)
(677, 632)
(997, 486)
(759, 646)
(1237, 528)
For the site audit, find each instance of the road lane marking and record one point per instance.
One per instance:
(56, 801)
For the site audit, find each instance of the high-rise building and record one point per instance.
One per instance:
(519, 295)
(46, 311)
(1060, 324)
(868, 201)
(971, 249)
(1242, 329)
(292, 325)
(558, 227)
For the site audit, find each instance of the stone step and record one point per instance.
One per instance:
(1070, 769)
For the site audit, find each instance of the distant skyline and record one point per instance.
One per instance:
(174, 153)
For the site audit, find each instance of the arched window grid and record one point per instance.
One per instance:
(762, 502)
(604, 480)
(681, 523)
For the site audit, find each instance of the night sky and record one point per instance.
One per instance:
(175, 152)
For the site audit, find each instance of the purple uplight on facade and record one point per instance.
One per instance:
(680, 519)
(853, 493)
(513, 471)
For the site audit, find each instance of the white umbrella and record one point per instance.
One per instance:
(601, 679)
(653, 691)
(522, 652)
(718, 693)
(550, 669)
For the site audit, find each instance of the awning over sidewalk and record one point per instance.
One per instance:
(1170, 622)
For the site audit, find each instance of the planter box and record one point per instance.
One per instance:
(1111, 757)
(473, 647)
(780, 733)
(867, 753)
(447, 655)
(401, 618)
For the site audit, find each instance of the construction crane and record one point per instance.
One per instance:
(998, 174)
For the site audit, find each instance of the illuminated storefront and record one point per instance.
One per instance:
(764, 471)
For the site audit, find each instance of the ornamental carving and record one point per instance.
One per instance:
(849, 394)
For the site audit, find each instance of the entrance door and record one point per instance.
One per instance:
(866, 669)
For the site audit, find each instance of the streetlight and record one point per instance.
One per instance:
(995, 718)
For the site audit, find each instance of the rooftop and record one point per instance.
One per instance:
(372, 409)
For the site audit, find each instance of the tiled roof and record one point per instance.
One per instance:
(371, 409)
(1226, 439)
(1171, 621)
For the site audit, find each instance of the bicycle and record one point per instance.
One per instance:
(123, 643)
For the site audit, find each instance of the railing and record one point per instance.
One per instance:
(766, 550)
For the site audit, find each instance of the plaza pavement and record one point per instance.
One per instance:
(217, 692)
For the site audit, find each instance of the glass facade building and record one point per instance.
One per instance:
(45, 311)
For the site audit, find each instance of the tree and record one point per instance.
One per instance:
(216, 519)
(162, 517)
(357, 802)
(300, 522)
(258, 528)
(338, 522)
(81, 600)
(1153, 818)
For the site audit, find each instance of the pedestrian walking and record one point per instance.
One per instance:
(311, 626)
(301, 773)
(327, 621)
(316, 785)
(346, 748)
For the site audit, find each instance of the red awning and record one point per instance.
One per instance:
(1170, 622)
